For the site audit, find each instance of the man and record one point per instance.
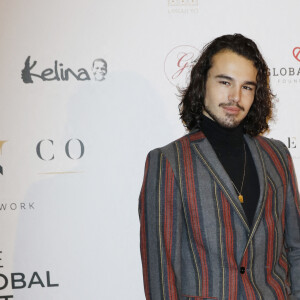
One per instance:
(99, 69)
(219, 207)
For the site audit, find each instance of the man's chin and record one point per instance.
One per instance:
(229, 125)
(229, 122)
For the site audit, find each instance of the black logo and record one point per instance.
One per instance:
(60, 73)
(20, 281)
(292, 142)
(1, 145)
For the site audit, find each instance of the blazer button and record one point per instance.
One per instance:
(242, 270)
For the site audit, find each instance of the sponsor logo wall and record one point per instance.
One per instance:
(87, 90)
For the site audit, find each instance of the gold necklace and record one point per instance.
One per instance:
(241, 198)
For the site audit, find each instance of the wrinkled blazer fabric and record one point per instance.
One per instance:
(194, 236)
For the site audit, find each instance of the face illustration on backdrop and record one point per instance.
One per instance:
(99, 69)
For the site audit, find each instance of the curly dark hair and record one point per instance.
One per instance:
(192, 98)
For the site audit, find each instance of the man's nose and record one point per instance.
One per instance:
(235, 94)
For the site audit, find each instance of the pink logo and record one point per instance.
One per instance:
(178, 64)
(296, 53)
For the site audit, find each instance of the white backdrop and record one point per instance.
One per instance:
(72, 151)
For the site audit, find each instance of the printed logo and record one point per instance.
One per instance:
(99, 69)
(14, 206)
(287, 74)
(183, 6)
(183, 2)
(292, 142)
(296, 53)
(19, 280)
(67, 149)
(1, 147)
(178, 64)
(73, 150)
(59, 73)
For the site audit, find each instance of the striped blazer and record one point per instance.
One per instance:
(195, 239)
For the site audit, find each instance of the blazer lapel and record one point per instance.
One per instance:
(257, 156)
(204, 151)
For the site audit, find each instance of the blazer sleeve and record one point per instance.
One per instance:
(292, 228)
(160, 218)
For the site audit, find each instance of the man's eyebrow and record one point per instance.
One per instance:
(251, 83)
(222, 76)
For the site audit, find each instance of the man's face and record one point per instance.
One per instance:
(99, 70)
(230, 88)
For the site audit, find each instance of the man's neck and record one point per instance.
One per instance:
(223, 137)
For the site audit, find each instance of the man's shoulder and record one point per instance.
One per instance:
(274, 148)
(172, 149)
(168, 148)
(263, 140)
(187, 138)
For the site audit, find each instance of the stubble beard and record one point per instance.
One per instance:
(229, 121)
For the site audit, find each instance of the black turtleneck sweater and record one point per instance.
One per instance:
(228, 143)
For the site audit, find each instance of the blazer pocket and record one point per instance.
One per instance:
(190, 297)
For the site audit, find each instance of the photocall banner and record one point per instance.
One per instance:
(87, 89)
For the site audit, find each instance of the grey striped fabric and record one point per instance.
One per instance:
(195, 239)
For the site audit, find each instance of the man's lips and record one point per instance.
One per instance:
(232, 109)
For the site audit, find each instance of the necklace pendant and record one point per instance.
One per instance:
(241, 198)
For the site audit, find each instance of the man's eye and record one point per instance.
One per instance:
(249, 88)
(224, 82)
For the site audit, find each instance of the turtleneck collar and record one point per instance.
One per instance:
(221, 136)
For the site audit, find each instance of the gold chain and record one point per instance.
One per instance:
(241, 198)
